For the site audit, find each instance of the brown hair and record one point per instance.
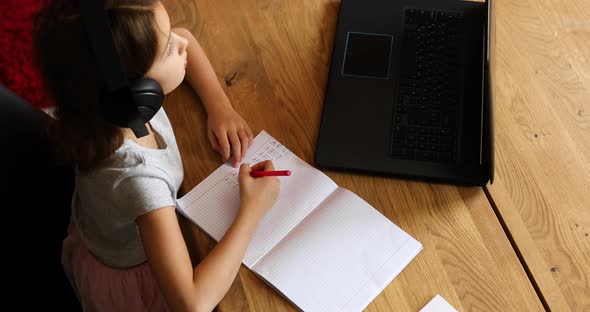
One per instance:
(63, 54)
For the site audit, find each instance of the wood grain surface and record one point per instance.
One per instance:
(272, 57)
(542, 119)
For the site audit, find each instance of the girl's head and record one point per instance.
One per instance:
(146, 47)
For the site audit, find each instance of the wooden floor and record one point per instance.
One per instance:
(521, 244)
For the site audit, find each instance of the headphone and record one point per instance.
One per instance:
(124, 103)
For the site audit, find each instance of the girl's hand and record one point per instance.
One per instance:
(228, 133)
(257, 195)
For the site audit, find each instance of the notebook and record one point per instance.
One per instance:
(321, 246)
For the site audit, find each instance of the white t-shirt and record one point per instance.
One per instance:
(133, 181)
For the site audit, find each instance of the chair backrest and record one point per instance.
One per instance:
(35, 210)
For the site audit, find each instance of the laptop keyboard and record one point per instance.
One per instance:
(431, 87)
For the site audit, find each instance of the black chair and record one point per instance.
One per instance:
(36, 211)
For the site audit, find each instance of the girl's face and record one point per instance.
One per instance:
(169, 67)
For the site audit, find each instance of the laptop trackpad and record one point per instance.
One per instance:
(367, 55)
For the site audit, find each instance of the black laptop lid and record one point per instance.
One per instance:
(488, 120)
(355, 127)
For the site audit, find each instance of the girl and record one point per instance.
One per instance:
(124, 248)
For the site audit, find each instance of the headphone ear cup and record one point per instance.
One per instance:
(148, 96)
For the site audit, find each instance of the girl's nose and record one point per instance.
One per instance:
(183, 43)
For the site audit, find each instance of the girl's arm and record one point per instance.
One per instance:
(201, 288)
(228, 132)
(200, 74)
(185, 288)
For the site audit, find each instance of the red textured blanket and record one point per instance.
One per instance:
(17, 71)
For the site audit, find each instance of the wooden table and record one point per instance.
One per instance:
(542, 120)
(518, 245)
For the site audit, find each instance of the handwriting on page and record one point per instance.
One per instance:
(269, 150)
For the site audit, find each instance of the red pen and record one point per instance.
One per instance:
(276, 173)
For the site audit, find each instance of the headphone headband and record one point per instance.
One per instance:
(120, 106)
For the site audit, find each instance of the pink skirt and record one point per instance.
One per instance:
(102, 288)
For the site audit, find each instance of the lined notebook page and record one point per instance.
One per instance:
(340, 257)
(213, 204)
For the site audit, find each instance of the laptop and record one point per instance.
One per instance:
(409, 91)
